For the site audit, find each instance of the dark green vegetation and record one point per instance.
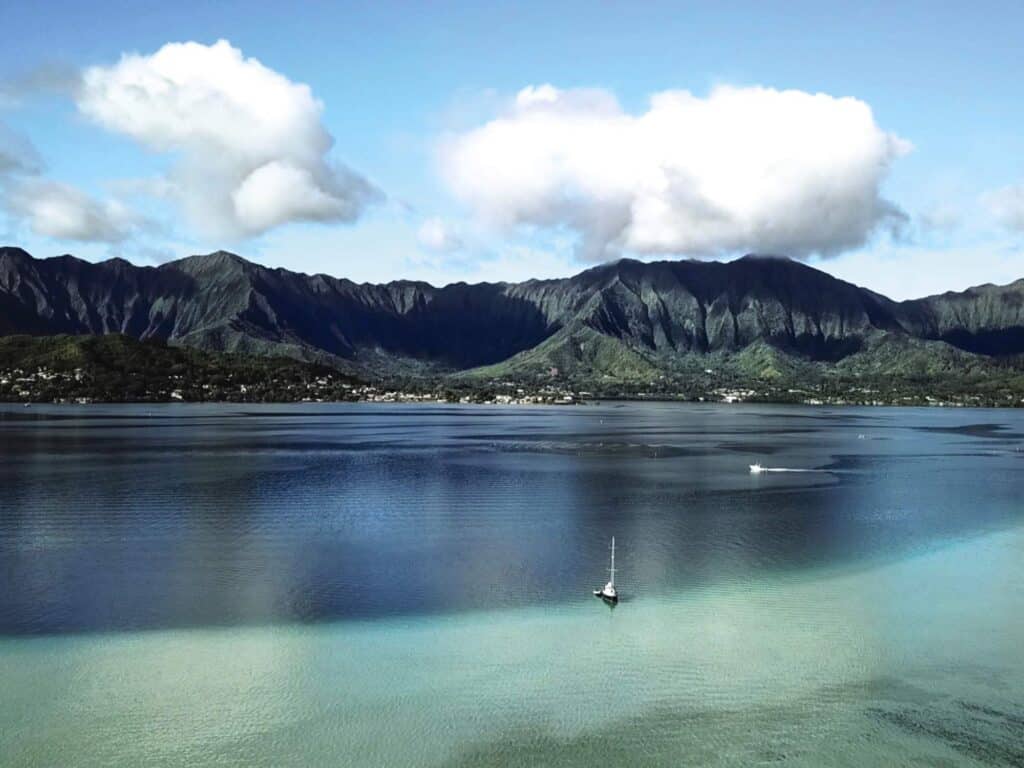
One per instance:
(116, 368)
(755, 328)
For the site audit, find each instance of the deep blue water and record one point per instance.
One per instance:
(136, 517)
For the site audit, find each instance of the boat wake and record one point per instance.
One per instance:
(757, 469)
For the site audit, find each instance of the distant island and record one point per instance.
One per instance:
(220, 328)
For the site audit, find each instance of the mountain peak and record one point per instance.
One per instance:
(14, 253)
(119, 263)
(218, 261)
(221, 256)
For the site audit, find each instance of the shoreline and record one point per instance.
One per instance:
(575, 402)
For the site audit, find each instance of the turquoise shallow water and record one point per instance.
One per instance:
(361, 586)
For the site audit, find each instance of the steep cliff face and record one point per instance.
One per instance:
(709, 306)
(69, 295)
(221, 301)
(987, 319)
(628, 312)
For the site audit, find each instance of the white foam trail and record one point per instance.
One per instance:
(762, 470)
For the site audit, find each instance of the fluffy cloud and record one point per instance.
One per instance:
(438, 237)
(49, 207)
(253, 152)
(59, 210)
(742, 169)
(1007, 206)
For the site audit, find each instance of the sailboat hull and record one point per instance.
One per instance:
(605, 596)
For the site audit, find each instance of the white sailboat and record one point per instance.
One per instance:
(608, 593)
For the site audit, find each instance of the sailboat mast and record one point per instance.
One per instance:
(611, 570)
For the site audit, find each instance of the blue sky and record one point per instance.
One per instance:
(421, 103)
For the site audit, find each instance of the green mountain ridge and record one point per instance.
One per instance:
(761, 318)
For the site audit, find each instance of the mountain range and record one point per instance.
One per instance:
(626, 319)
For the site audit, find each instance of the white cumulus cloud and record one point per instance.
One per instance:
(437, 236)
(1007, 206)
(252, 150)
(52, 208)
(741, 169)
(59, 210)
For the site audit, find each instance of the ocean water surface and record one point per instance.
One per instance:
(308, 585)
